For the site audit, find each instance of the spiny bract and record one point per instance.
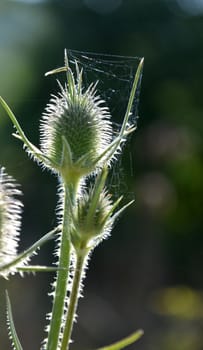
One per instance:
(91, 227)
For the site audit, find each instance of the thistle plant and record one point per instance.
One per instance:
(10, 224)
(78, 144)
(10, 219)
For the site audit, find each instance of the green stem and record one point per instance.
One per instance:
(78, 271)
(124, 342)
(63, 273)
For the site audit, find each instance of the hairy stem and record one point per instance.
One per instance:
(63, 273)
(75, 293)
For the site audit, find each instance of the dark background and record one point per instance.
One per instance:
(149, 273)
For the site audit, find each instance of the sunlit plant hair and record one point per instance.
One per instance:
(76, 140)
(93, 215)
(10, 218)
(75, 128)
(77, 137)
(10, 225)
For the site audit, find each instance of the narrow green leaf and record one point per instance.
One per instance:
(114, 206)
(38, 268)
(124, 342)
(119, 212)
(84, 160)
(33, 149)
(66, 154)
(12, 331)
(56, 71)
(69, 74)
(132, 96)
(111, 149)
(125, 129)
(99, 185)
(27, 253)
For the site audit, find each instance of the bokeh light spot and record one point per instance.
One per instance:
(193, 7)
(103, 6)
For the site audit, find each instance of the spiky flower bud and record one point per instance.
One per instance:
(91, 226)
(10, 219)
(93, 215)
(75, 129)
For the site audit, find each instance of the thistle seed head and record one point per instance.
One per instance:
(75, 129)
(90, 227)
(10, 218)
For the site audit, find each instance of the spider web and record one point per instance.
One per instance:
(114, 76)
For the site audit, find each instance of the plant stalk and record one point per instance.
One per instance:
(73, 301)
(62, 274)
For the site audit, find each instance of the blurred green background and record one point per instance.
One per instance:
(149, 274)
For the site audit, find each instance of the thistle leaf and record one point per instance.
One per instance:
(11, 327)
(56, 71)
(114, 147)
(33, 150)
(99, 185)
(121, 344)
(66, 160)
(114, 206)
(119, 212)
(132, 96)
(39, 268)
(24, 256)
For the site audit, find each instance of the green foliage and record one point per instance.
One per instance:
(77, 140)
(11, 327)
